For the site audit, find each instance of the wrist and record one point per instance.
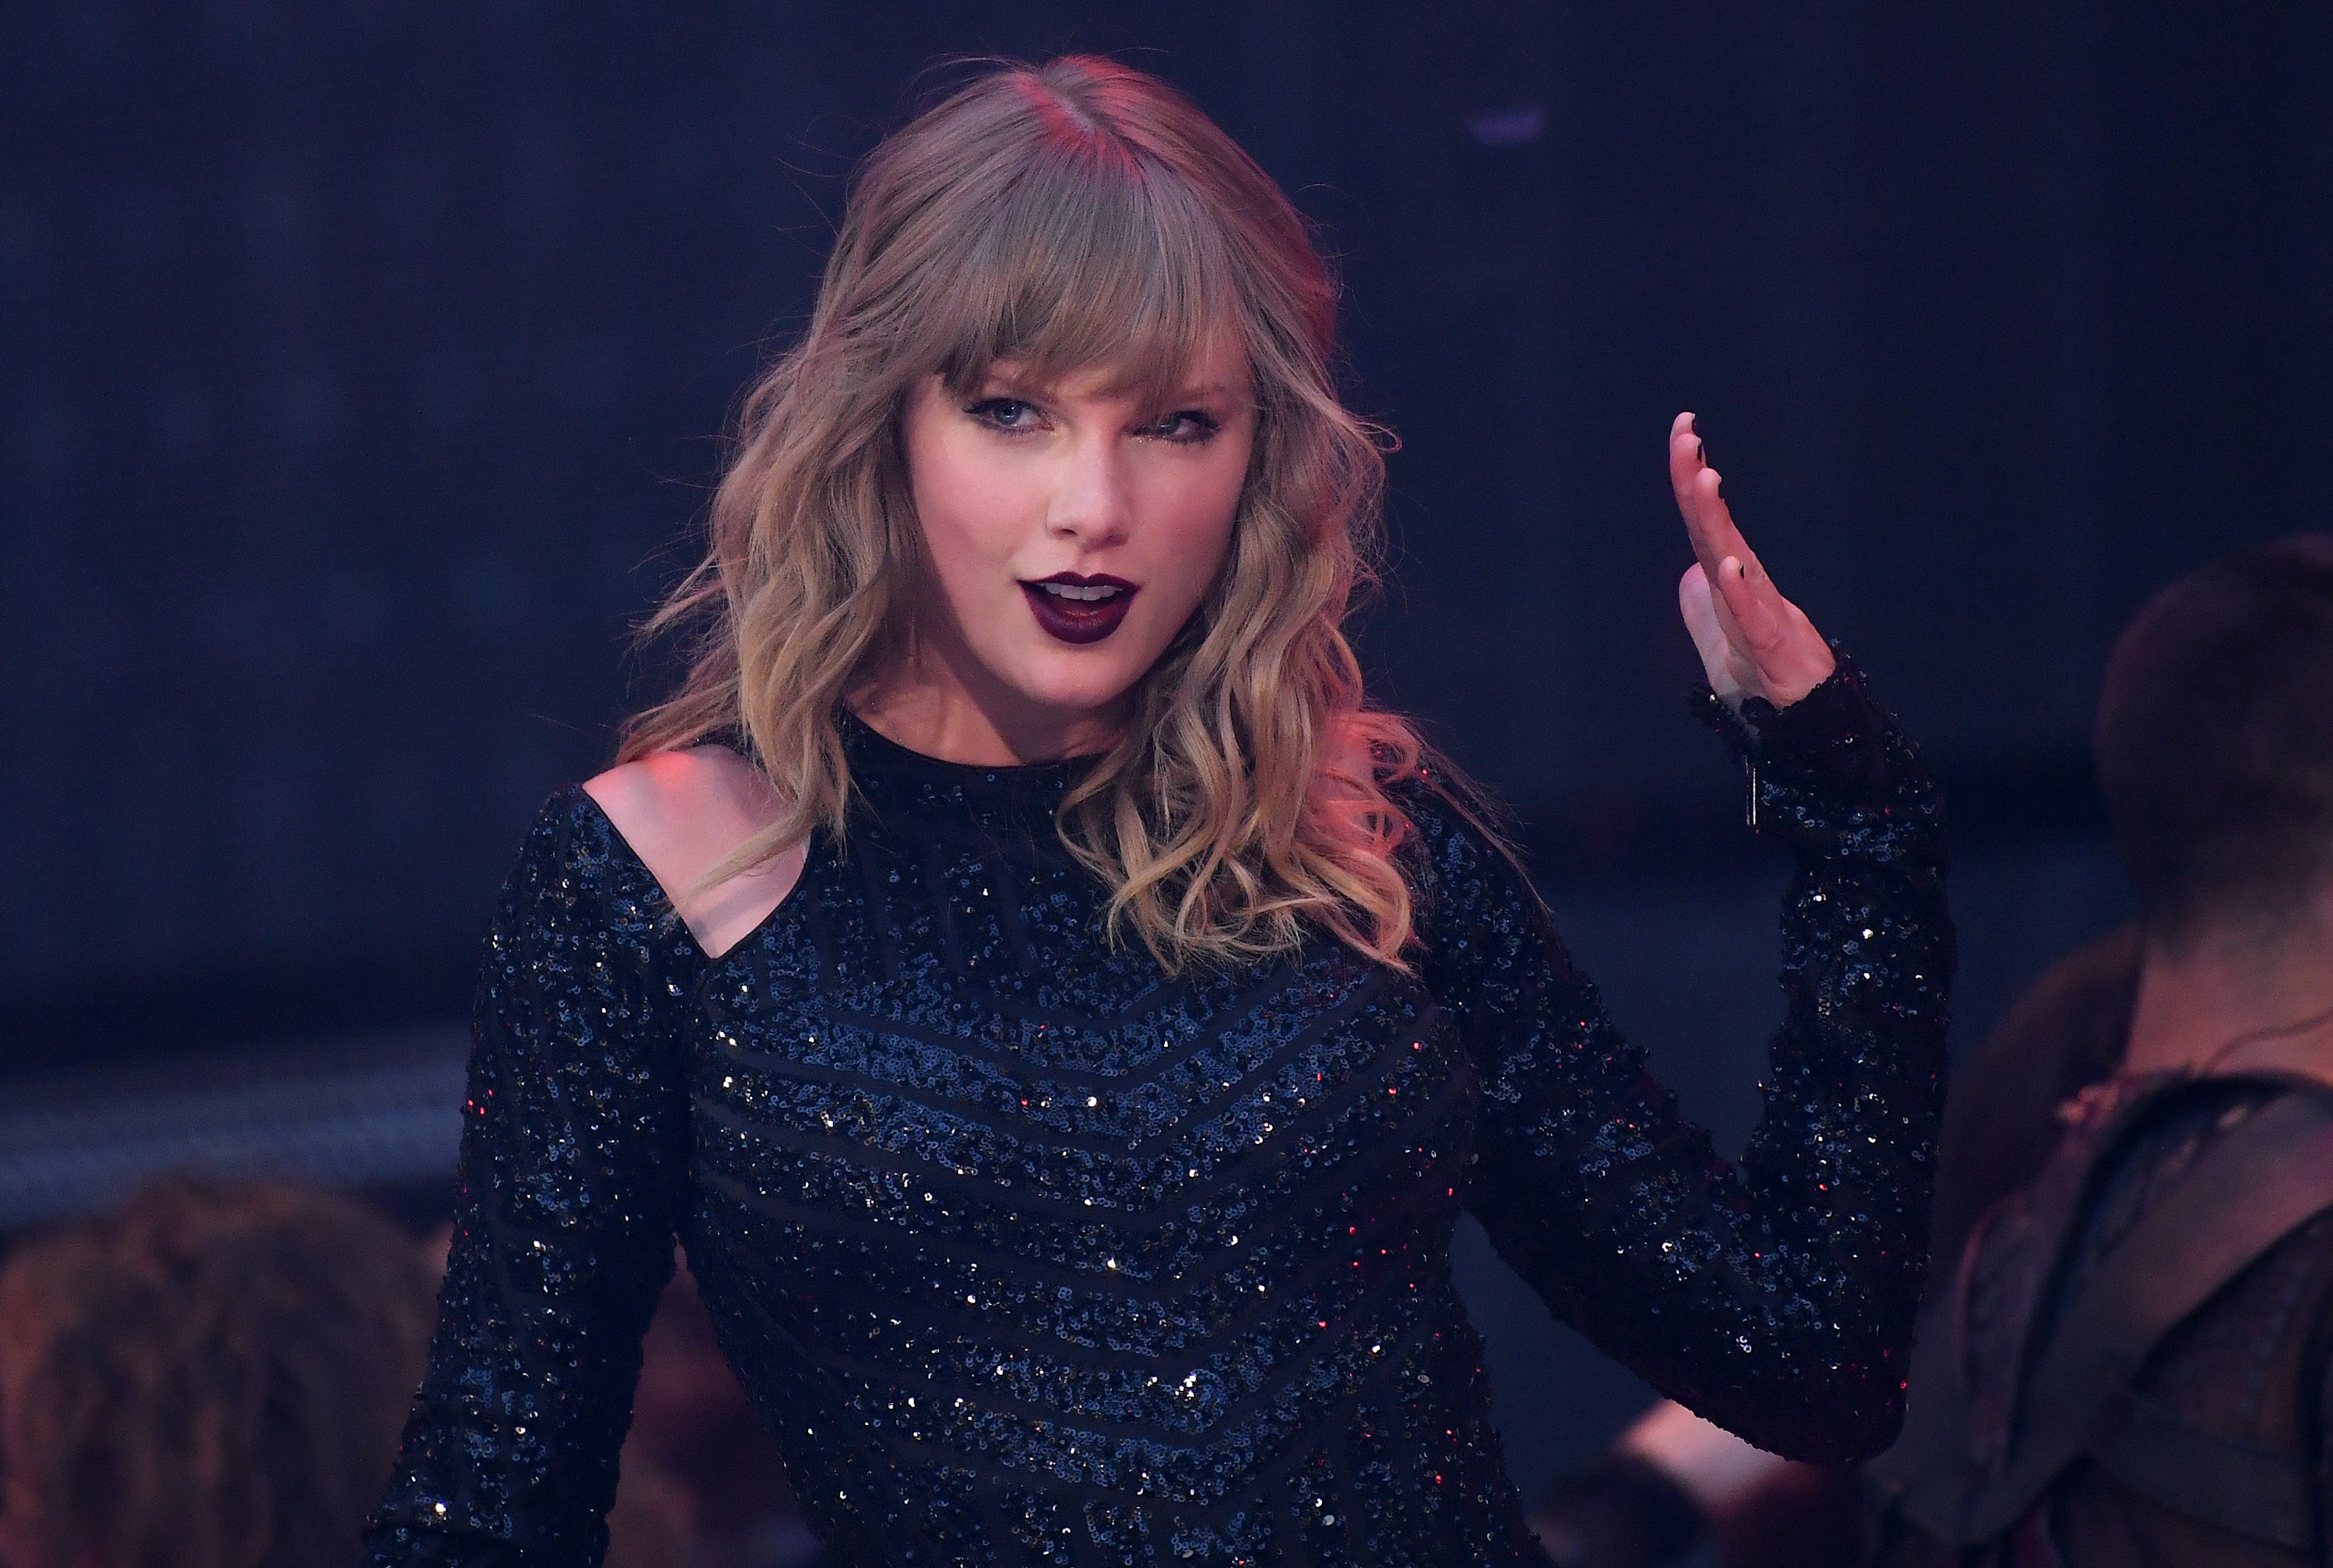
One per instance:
(1816, 665)
(1834, 762)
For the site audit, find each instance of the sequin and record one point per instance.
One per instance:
(1030, 1253)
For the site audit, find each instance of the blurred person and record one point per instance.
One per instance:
(2130, 1361)
(1063, 1019)
(212, 1376)
(2127, 1353)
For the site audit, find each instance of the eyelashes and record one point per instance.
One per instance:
(1015, 416)
(1005, 414)
(1186, 427)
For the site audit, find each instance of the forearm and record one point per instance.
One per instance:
(1843, 1158)
(1776, 1301)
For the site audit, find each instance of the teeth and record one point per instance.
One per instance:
(1089, 593)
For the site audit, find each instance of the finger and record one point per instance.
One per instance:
(1733, 674)
(1711, 524)
(1687, 463)
(1781, 655)
(1699, 607)
(1755, 607)
(1685, 460)
(1710, 577)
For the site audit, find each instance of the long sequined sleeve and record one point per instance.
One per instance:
(1776, 1300)
(574, 1155)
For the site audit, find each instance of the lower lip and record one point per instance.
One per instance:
(1077, 620)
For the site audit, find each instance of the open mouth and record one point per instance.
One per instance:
(1079, 609)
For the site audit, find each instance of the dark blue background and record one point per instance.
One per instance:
(362, 367)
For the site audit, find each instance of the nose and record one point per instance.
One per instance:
(1092, 503)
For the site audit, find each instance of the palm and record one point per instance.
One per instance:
(1753, 641)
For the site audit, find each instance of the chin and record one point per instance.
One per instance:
(1077, 690)
(1076, 697)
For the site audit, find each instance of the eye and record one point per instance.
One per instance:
(1007, 414)
(1186, 427)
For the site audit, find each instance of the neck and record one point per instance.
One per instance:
(942, 702)
(2269, 991)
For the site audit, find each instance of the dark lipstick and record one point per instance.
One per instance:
(1080, 619)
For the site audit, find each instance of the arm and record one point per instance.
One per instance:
(1713, 1468)
(1671, 1481)
(574, 1151)
(1777, 1301)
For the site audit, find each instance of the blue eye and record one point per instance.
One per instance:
(1005, 413)
(1186, 427)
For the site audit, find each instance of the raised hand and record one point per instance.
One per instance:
(1753, 641)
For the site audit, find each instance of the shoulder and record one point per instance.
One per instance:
(573, 844)
(669, 796)
(1456, 835)
(685, 813)
(1469, 886)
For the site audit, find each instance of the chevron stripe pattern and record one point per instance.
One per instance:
(1030, 1253)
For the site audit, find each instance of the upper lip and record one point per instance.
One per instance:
(1074, 580)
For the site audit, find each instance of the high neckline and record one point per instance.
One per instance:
(892, 775)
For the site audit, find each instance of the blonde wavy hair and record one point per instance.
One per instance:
(1075, 216)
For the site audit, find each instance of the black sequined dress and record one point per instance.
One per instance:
(1028, 1252)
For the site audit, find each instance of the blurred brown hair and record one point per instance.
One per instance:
(2068, 1030)
(2215, 740)
(213, 1376)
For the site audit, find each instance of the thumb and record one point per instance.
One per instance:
(1698, 605)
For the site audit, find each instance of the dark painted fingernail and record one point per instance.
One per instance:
(1701, 454)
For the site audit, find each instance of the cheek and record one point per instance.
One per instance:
(1197, 513)
(968, 507)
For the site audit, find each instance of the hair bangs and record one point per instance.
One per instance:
(1096, 258)
(1064, 220)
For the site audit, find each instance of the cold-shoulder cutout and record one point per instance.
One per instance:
(683, 813)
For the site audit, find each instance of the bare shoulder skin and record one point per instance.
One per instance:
(686, 812)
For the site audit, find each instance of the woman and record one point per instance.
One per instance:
(1062, 1020)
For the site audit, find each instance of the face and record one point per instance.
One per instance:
(1071, 531)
